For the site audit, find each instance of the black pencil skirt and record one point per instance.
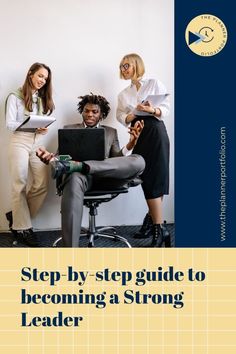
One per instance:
(153, 144)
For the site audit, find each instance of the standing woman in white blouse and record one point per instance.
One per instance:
(35, 97)
(153, 143)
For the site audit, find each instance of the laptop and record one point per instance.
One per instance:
(82, 144)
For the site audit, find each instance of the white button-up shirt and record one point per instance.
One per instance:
(130, 97)
(15, 111)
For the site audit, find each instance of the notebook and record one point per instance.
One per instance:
(35, 121)
(82, 144)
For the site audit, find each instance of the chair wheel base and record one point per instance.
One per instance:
(96, 236)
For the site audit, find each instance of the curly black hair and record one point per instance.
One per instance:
(94, 99)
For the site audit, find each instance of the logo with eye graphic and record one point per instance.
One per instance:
(206, 35)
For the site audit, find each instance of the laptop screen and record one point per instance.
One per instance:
(82, 144)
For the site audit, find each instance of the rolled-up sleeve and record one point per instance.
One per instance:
(11, 113)
(165, 105)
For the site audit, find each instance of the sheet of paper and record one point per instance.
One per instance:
(155, 101)
(35, 121)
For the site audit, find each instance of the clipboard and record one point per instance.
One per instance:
(35, 121)
(155, 100)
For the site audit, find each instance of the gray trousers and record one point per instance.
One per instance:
(122, 168)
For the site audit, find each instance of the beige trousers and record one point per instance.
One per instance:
(29, 178)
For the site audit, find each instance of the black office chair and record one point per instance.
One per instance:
(92, 199)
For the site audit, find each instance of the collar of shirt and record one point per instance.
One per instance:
(142, 80)
(95, 126)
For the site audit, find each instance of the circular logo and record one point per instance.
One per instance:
(206, 35)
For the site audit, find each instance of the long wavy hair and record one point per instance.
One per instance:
(94, 99)
(45, 93)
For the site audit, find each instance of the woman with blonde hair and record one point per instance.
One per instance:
(153, 143)
(34, 97)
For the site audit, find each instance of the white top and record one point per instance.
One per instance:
(15, 112)
(130, 97)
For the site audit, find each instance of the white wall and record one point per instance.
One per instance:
(83, 42)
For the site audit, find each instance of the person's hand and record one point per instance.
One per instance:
(42, 131)
(44, 155)
(129, 118)
(135, 132)
(145, 107)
